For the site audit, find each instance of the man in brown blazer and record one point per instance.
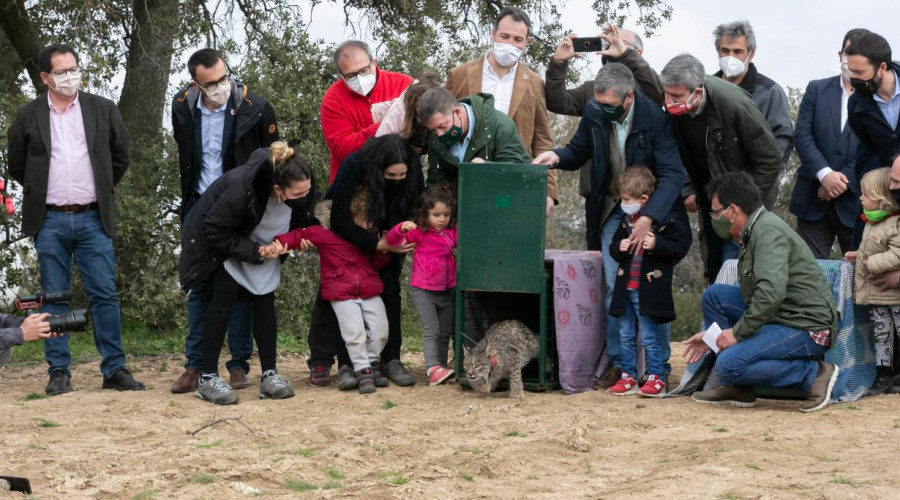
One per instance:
(517, 90)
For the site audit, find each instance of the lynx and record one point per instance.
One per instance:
(502, 353)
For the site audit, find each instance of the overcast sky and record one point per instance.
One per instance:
(797, 40)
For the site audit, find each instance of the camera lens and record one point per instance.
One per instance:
(586, 45)
(72, 321)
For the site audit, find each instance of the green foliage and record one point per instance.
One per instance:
(300, 486)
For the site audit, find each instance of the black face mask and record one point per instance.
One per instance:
(393, 187)
(865, 87)
(895, 194)
(296, 203)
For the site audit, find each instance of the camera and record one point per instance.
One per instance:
(73, 321)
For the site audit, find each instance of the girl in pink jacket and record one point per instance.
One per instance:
(433, 274)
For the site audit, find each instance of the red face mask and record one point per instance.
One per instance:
(679, 108)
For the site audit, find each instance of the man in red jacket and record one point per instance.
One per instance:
(353, 106)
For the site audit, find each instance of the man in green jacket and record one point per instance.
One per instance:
(719, 129)
(778, 323)
(467, 130)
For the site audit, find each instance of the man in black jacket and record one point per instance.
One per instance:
(68, 149)
(217, 125)
(874, 107)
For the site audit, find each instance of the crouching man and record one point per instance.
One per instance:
(778, 323)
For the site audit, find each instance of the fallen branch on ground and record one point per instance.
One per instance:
(214, 422)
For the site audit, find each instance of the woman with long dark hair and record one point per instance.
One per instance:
(240, 213)
(375, 189)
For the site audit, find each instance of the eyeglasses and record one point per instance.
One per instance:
(75, 70)
(716, 214)
(364, 72)
(211, 85)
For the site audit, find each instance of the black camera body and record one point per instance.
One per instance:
(72, 321)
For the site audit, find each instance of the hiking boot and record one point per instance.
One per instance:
(398, 374)
(121, 380)
(820, 394)
(346, 379)
(217, 392)
(625, 386)
(366, 381)
(60, 383)
(237, 379)
(187, 382)
(609, 378)
(378, 376)
(654, 387)
(275, 387)
(320, 376)
(437, 374)
(741, 397)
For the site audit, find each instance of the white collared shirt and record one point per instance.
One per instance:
(459, 149)
(500, 87)
(845, 98)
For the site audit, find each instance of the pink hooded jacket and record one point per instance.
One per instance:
(433, 265)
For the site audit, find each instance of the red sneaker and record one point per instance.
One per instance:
(654, 387)
(437, 374)
(625, 386)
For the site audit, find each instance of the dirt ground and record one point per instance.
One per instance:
(432, 442)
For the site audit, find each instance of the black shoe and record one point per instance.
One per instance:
(59, 383)
(122, 380)
(881, 385)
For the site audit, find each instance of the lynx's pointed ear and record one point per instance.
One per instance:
(466, 351)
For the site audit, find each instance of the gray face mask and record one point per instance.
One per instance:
(68, 84)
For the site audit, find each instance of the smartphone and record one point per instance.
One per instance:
(589, 44)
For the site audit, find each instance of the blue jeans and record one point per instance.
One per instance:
(775, 356)
(64, 236)
(240, 321)
(628, 330)
(610, 266)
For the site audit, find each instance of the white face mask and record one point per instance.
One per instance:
(362, 84)
(732, 67)
(68, 84)
(631, 209)
(218, 96)
(845, 69)
(505, 54)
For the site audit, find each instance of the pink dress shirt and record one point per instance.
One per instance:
(71, 180)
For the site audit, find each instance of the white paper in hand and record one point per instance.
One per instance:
(712, 333)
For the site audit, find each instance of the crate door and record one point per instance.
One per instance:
(501, 227)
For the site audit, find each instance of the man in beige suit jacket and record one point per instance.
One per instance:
(517, 90)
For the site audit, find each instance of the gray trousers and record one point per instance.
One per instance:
(364, 328)
(436, 311)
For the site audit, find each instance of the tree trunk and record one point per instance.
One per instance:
(147, 67)
(23, 37)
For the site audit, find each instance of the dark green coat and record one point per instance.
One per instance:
(496, 140)
(780, 280)
(738, 138)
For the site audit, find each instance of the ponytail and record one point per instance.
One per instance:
(287, 167)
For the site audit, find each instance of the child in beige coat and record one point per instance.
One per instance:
(878, 253)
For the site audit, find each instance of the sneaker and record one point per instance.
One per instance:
(625, 386)
(820, 394)
(60, 383)
(741, 397)
(654, 387)
(398, 374)
(346, 378)
(121, 380)
(437, 374)
(217, 392)
(320, 376)
(609, 378)
(378, 376)
(366, 381)
(275, 387)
